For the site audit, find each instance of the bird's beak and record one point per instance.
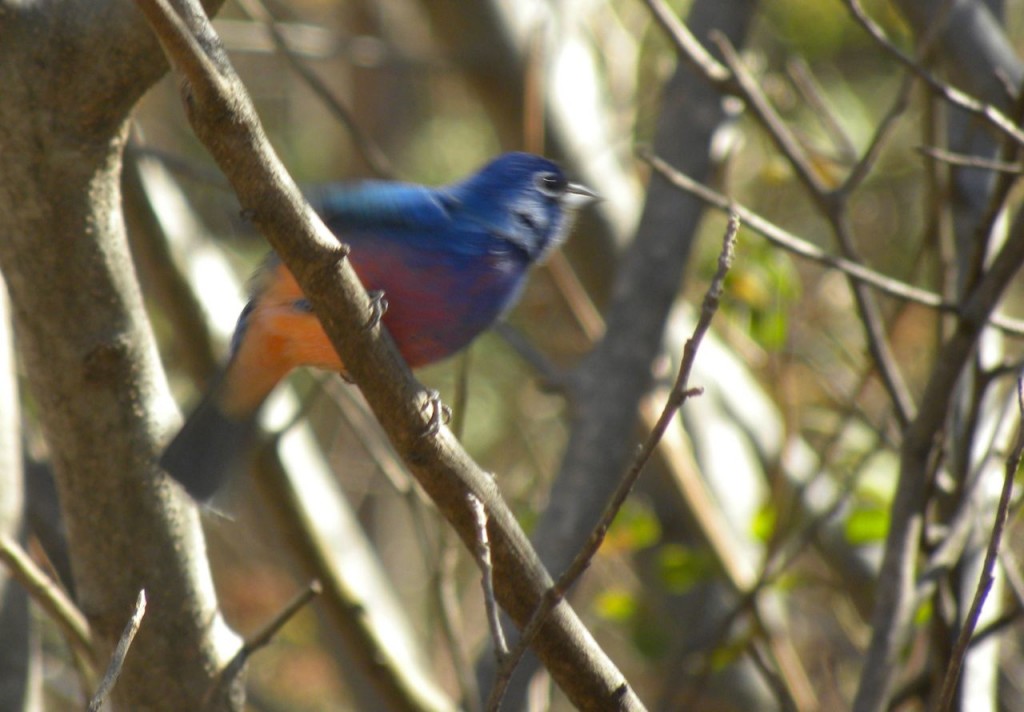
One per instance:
(577, 195)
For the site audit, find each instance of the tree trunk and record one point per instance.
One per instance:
(69, 75)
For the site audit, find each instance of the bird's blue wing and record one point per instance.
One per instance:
(403, 219)
(376, 206)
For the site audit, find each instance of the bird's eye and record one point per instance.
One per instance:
(551, 184)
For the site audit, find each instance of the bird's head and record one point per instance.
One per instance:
(524, 201)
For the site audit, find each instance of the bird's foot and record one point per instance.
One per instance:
(378, 308)
(440, 414)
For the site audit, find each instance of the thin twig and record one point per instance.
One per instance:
(229, 676)
(951, 94)
(679, 394)
(885, 130)
(374, 442)
(450, 618)
(778, 561)
(120, 653)
(952, 676)
(483, 560)
(587, 315)
(964, 161)
(813, 93)
(791, 243)
(777, 129)
(888, 123)
(759, 657)
(688, 46)
(741, 82)
(1004, 184)
(267, 633)
(460, 401)
(831, 205)
(367, 147)
(547, 373)
(49, 596)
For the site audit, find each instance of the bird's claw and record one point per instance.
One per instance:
(378, 308)
(440, 414)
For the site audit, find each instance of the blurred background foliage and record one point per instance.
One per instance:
(792, 323)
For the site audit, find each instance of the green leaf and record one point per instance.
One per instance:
(763, 525)
(923, 614)
(681, 568)
(617, 605)
(867, 524)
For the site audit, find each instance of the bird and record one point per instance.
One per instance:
(449, 261)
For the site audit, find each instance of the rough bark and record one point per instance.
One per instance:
(69, 75)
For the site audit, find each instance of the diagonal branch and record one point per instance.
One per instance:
(222, 117)
(949, 682)
(893, 612)
(50, 597)
(801, 248)
(680, 392)
(120, 654)
(367, 147)
(954, 96)
(831, 205)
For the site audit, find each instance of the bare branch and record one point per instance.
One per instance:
(120, 653)
(963, 161)
(441, 557)
(963, 641)
(813, 93)
(886, 128)
(830, 204)
(49, 596)
(680, 392)
(230, 676)
(367, 147)
(791, 243)
(274, 625)
(483, 560)
(747, 87)
(224, 119)
(951, 94)
(689, 47)
(892, 616)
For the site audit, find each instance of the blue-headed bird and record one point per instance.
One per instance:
(449, 262)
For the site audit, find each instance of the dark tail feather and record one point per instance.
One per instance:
(206, 450)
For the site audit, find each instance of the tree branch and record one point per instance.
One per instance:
(86, 348)
(963, 641)
(120, 653)
(801, 248)
(678, 395)
(224, 119)
(50, 598)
